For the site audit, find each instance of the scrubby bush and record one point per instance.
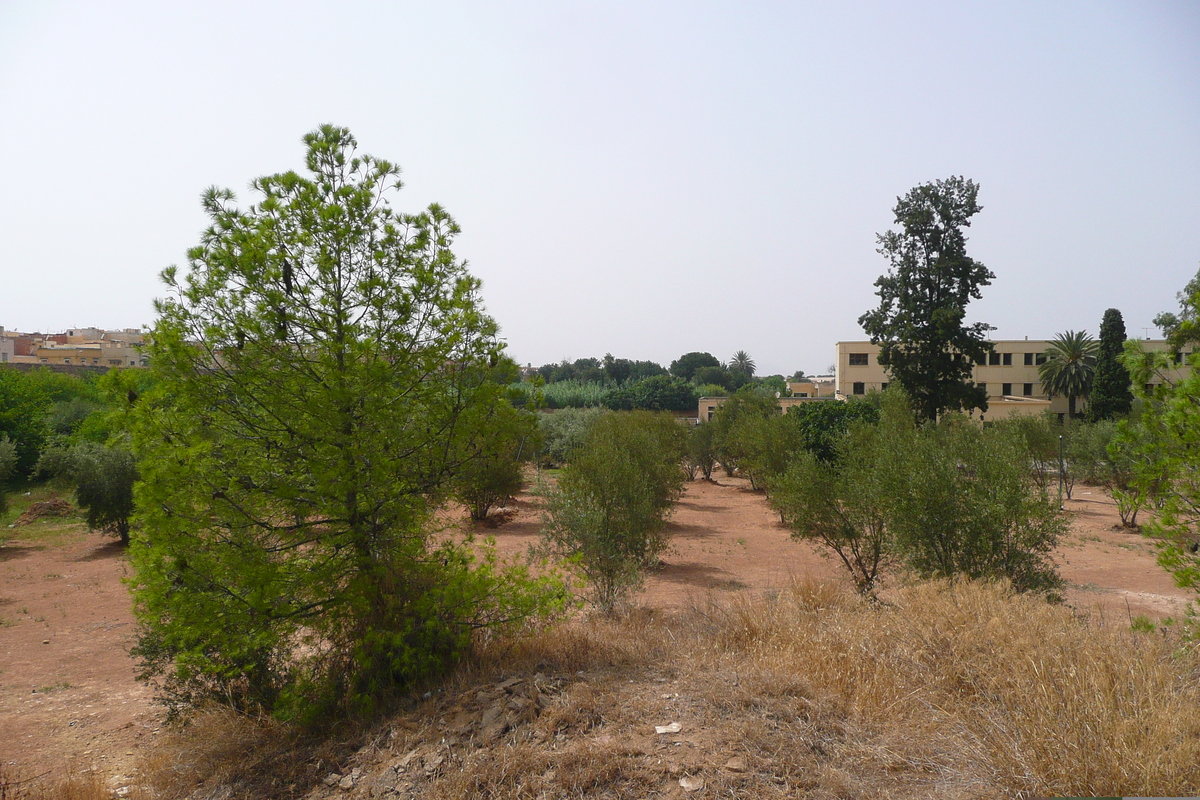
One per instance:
(609, 509)
(563, 432)
(493, 465)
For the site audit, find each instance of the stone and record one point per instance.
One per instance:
(346, 783)
(691, 783)
(736, 764)
(673, 727)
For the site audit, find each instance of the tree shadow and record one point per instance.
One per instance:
(700, 575)
(11, 552)
(684, 530)
(111, 549)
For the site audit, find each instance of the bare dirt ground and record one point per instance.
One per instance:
(69, 700)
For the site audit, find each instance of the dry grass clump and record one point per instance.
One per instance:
(946, 690)
(989, 689)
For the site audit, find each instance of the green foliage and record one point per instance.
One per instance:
(609, 509)
(923, 299)
(1111, 396)
(742, 363)
(23, 403)
(943, 500)
(1164, 444)
(323, 369)
(701, 450)
(711, 390)
(658, 393)
(841, 503)
(717, 376)
(103, 478)
(775, 383)
(575, 394)
(822, 423)
(735, 429)
(8, 465)
(962, 503)
(1087, 456)
(1183, 328)
(1070, 366)
(493, 469)
(686, 365)
(563, 433)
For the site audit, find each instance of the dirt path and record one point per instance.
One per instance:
(68, 697)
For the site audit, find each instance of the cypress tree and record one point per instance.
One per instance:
(1110, 390)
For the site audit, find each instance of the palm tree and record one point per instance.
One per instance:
(743, 363)
(1070, 366)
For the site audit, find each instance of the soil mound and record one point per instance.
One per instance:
(47, 508)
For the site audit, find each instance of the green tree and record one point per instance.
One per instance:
(493, 470)
(1111, 395)
(563, 433)
(742, 363)
(734, 427)
(822, 424)
(1070, 367)
(321, 370)
(23, 404)
(919, 324)
(961, 502)
(701, 450)
(686, 365)
(611, 504)
(840, 504)
(8, 465)
(657, 393)
(1184, 327)
(103, 478)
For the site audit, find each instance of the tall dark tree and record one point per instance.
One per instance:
(1111, 395)
(686, 365)
(923, 299)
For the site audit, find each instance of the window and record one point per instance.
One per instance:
(1007, 359)
(982, 360)
(993, 359)
(859, 387)
(858, 359)
(1007, 390)
(982, 387)
(1039, 359)
(1149, 388)
(66, 361)
(1029, 359)
(1027, 390)
(883, 387)
(1179, 357)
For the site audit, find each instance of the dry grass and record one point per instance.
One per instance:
(948, 690)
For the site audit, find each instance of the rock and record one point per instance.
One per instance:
(123, 791)
(510, 683)
(401, 764)
(432, 763)
(346, 783)
(382, 783)
(331, 779)
(673, 727)
(691, 784)
(736, 764)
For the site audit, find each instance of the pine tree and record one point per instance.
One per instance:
(1111, 396)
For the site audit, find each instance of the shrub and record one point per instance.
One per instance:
(493, 469)
(609, 509)
(103, 478)
(563, 432)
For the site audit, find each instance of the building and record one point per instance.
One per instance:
(89, 347)
(1010, 375)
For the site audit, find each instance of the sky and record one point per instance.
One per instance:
(643, 179)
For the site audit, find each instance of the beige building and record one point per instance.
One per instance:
(1010, 375)
(93, 347)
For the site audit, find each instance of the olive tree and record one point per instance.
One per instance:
(607, 514)
(322, 369)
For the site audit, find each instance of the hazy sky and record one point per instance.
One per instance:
(644, 179)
